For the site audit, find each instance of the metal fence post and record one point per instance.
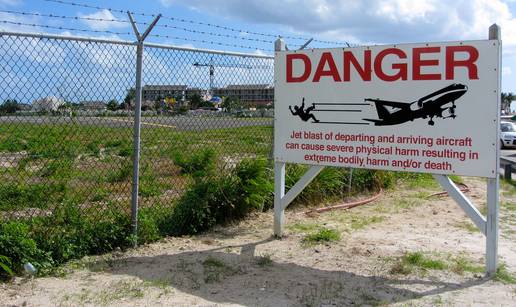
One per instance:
(493, 184)
(137, 123)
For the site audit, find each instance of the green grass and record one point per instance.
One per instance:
(322, 236)
(416, 261)
(421, 262)
(418, 180)
(461, 264)
(304, 227)
(93, 163)
(504, 276)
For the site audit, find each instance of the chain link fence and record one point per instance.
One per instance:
(67, 117)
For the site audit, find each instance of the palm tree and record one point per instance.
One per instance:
(507, 99)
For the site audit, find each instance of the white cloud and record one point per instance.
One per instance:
(371, 21)
(506, 71)
(404, 10)
(10, 2)
(103, 25)
(16, 18)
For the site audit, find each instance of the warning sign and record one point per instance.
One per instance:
(430, 108)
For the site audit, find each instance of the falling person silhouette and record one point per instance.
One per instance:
(302, 113)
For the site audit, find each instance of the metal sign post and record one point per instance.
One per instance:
(452, 69)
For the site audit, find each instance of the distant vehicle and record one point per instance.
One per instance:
(507, 135)
(431, 105)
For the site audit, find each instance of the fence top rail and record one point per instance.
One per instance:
(239, 54)
(128, 43)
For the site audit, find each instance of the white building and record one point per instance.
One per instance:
(50, 103)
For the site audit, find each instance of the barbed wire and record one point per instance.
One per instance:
(139, 23)
(66, 17)
(128, 33)
(63, 28)
(182, 20)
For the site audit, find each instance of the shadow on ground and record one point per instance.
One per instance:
(234, 274)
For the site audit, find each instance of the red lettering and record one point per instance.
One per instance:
(363, 71)
(451, 62)
(326, 58)
(307, 67)
(401, 67)
(417, 63)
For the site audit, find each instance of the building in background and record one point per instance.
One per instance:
(250, 95)
(47, 104)
(158, 92)
(93, 105)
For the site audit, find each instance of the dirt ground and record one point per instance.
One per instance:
(243, 265)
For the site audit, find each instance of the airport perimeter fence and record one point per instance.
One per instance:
(67, 121)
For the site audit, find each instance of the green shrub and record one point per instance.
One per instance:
(5, 267)
(213, 200)
(148, 227)
(196, 209)
(17, 245)
(69, 234)
(332, 182)
(198, 164)
(256, 186)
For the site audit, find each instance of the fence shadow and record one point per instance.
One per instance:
(235, 274)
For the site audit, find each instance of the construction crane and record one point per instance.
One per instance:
(212, 66)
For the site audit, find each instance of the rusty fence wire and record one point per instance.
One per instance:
(67, 116)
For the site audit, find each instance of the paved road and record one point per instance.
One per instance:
(509, 153)
(190, 123)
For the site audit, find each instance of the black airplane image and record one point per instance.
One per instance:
(429, 106)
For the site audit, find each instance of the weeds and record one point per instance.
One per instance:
(121, 174)
(304, 227)
(416, 260)
(215, 200)
(504, 276)
(198, 163)
(462, 264)
(321, 236)
(264, 260)
(215, 270)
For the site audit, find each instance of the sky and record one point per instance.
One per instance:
(343, 22)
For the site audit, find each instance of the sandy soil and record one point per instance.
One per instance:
(243, 264)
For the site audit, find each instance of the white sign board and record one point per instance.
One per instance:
(431, 107)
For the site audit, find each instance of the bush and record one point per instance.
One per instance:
(17, 245)
(214, 200)
(200, 163)
(148, 226)
(5, 267)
